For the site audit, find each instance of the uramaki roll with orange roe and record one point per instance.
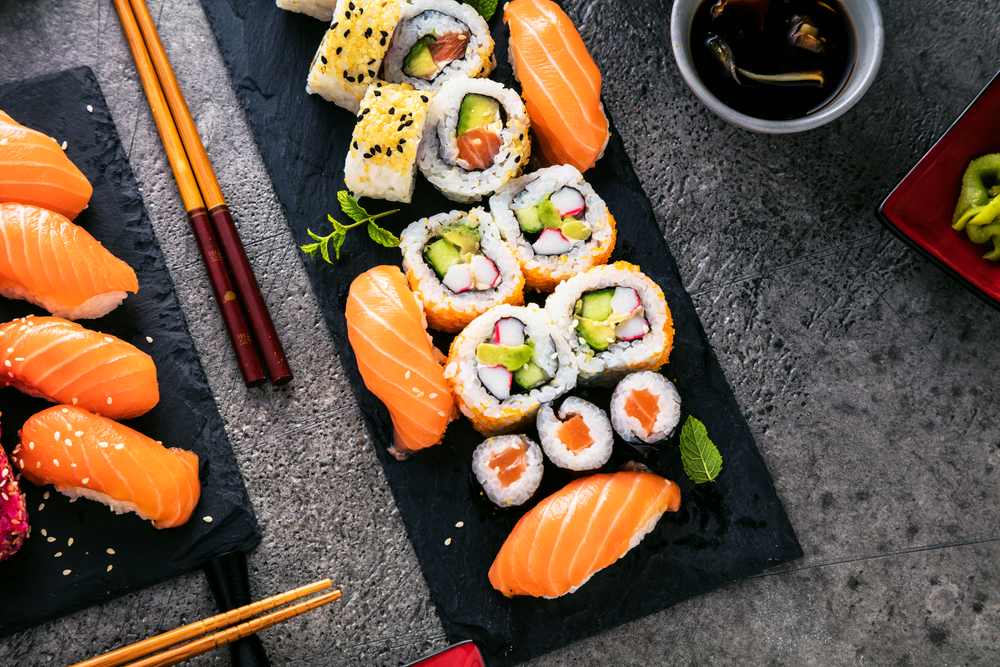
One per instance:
(616, 320)
(579, 439)
(645, 408)
(509, 467)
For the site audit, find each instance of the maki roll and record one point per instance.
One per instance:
(645, 408)
(350, 55)
(509, 467)
(580, 439)
(505, 364)
(476, 139)
(459, 267)
(14, 527)
(380, 161)
(616, 319)
(438, 40)
(555, 223)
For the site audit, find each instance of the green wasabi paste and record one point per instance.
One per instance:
(978, 209)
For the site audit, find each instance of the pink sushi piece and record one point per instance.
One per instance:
(568, 201)
(14, 528)
(497, 380)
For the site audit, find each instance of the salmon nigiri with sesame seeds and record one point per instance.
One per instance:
(63, 362)
(34, 170)
(83, 454)
(385, 325)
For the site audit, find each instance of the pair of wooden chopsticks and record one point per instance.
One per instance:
(208, 213)
(145, 653)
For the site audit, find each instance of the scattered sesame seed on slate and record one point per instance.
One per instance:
(41, 507)
(460, 524)
(207, 519)
(66, 572)
(148, 339)
(50, 539)
(58, 553)
(70, 543)
(110, 567)
(90, 109)
(447, 542)
(64, 144)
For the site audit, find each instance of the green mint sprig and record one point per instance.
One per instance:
(701, 458)
(350, 206)
(484, 7)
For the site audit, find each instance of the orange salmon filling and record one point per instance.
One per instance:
(508, 465)
(478, 147)
(641, 404)
(449, 47)
(575, 434)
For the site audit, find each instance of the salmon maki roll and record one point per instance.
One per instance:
(34, 170)
(49, 261)
(83, 454)
(577, 531)
(560, 82)
(396, 359)
(62, 362)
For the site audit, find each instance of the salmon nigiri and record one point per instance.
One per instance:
(49, 261)
(385, 325)
(589, 524)
(34, 170)
(62, 362)
(560, 82)
(87, 455)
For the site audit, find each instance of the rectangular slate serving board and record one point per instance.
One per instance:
(33, 588)
(724, 532)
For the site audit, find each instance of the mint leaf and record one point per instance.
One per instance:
(310, 248)
(338, 240)
(382, 236)
(701, 458)
(350, 206)
(484, 7)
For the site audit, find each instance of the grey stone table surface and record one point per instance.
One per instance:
(868, 377)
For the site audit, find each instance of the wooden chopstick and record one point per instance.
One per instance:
(235, 633)
(240, 336)
(218, 210)
(163, 641)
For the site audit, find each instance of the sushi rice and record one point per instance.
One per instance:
(668, 410)
(592, 457)
(440, 17)
(438, 154)
(606, 367)
(445, 310)
(350, 55)
(489, 415)
(491, 459)
(381, 159)
(544, 272)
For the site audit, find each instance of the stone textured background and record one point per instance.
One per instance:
(867, 376)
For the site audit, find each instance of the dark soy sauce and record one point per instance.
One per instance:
(760, 36)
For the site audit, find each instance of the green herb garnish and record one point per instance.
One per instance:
(484, 7)
(701, 458)
(350, 206)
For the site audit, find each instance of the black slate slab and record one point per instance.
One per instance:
(34, 588)
(724, 532)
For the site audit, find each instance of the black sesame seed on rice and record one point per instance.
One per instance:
(384, 33)
(350, 6)
(339, 49)
(392, 110)
(351, 79)
(323, 58)
(355, 145)
(347, 15)
(368, 156)
(334, 26)
(361, 77)
(378, 93)
(388, 152)
(424, 98)
(402, 141)
(368, 33)
(517, 159)
(382, 42)
(347, 32)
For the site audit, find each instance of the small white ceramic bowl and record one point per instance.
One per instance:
(864, 17)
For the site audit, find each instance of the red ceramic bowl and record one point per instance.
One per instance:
(464, 654)
(919, 209)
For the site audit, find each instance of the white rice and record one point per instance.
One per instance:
(519, 491)
(621, 357)
(591, 458)
(530, 190)
(668, 403)
(439, 302)
(438, 18)
(438, 153)
(318, 9)
(552, 353)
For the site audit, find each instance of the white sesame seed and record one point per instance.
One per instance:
(109, 567)
(90, 109)
(207, 519)
(416, 391)
(109, 400)
(84, 480)
(460, 524)
(38, 464)
(41, 507)
(159, 442)
(102, 444)
(56, 462)
(31, 445)
(70, 543)
(58, 553)
(433, 396)
(66, 572)
(78, 433)
(440, 414)
(148, 339)
(10, 349)
(6, 362)
(5, 497)
(447, 542)
(3, 142)
(73, 500)
(72, 465)
(20, 464)
(57, 436)
(406, 375)
(65, 410)
(69, 443)
(111, 551)
(109, 339)
(74, 400)
(3, 472)
(120, 446)
(64, 145)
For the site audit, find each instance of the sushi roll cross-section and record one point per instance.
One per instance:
(63, 362)
(55, 264)
(14, 526)
(579, 438)
(555, 223)
(505, 364)
(645, 407)
(586, 526)
(438, 40)
(509, 467)
(460, 267)
(83, 454)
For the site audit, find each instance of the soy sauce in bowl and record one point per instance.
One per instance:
(773, 59)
